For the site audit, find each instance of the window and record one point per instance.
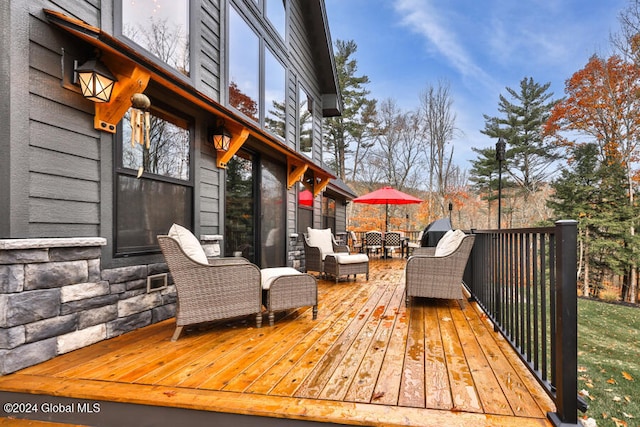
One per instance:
(257, 78)
(275, 111)
(305, 122)
(147, 206)
(161, 27)
(244, 64)
(275, 10)
(305, 208)
(329, 213)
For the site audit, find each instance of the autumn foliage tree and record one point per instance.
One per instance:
(602, 106)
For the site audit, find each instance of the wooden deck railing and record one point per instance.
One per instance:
(525, 280)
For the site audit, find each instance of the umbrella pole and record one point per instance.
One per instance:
(386, 219)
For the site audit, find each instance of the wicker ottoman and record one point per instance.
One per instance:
(340, 264)
(284, 288)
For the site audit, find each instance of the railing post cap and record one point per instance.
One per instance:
(566, 222)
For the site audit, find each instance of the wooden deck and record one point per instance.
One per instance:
(366, 360)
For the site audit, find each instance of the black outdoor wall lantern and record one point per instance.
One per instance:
(96, 81)
(220, 137)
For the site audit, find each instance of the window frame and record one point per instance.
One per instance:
(266, 42)
(301, 89)
(166, 113)
(118, 17)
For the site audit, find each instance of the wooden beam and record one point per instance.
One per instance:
(130, 81)
(236, 142)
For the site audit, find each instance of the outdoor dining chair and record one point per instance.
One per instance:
(356, 245)
(373, 241)
(392, 241)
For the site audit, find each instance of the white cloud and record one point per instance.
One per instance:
(441, 36)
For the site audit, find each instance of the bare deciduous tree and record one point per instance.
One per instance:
(439, 128)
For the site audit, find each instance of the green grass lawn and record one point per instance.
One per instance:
(609, 362)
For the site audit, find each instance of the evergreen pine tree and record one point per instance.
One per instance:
(529, 158)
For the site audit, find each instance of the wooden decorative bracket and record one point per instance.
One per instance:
(130, 81)
(236, 142)
(296, 171)
(320, 186)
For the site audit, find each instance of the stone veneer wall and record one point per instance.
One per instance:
(55, 298)
(296, 252)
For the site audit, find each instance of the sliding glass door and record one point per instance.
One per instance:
(255, 216)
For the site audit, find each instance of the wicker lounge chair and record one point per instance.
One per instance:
(433, 275)
(315, 254)
(224, 288)
(323, 255)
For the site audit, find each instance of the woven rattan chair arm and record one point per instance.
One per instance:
(424, 251)
(340, 248)
(227, 260)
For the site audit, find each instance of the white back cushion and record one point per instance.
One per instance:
(321, 238)
(449, 242)
(189, 243)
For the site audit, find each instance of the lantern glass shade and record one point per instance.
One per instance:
(96, 81)
(221, 138)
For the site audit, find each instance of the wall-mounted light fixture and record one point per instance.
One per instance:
(96, 81)
(220, 137)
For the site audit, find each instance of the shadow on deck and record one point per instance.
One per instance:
(366, 360)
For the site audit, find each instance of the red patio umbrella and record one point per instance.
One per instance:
(387, 195)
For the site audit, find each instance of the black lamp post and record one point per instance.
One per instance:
(450, 210)
(501, 147)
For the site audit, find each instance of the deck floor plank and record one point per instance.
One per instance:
(463, 390)
(306, 364)
(436, 372)
(491, 396)
(288, 369)
(315, 382)
(513, 383)
(342, 377)
(362, 388)
(412, 386)
(367, 360)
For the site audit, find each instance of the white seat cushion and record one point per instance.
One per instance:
(321, 238)
(268, 275)
(189, 243)
(350, 258)
(449, 243)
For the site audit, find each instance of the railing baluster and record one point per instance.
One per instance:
(525, 281)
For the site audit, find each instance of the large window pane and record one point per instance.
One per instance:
(168, 153)
(305, 209)
(275, 111)
(161, 27)
(239, 237)
(305, 123)
(244, 69)
(329, 213)
(146, 208)
(275, 10)
(273, 204)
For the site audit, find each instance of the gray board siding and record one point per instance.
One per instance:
(63, 154)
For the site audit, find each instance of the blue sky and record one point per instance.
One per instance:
(479, 46)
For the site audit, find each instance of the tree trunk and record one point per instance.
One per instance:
(585, 285)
